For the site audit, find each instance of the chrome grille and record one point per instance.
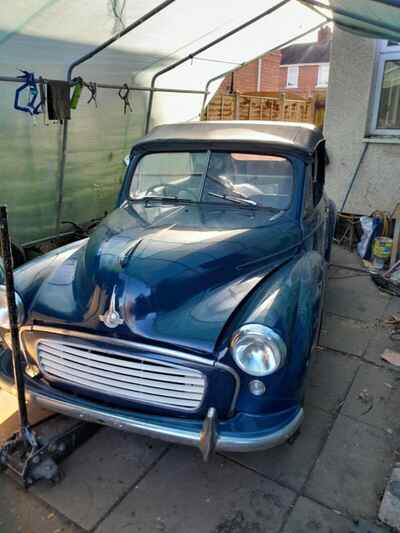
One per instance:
(113, 373)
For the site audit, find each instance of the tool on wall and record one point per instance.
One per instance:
(28, 91)
(92, 88)
(124, 95)
(76, 94)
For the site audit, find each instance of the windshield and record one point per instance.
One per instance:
(253, 180)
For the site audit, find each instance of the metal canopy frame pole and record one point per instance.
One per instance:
(77, 62)
(12, 79)
(203, 49)
(226, 73)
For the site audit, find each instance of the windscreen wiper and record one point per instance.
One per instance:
(234, 199)
(160, 198)
(164, 199)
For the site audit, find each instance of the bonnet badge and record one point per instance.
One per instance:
(111, 318)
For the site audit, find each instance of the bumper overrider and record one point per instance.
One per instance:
(241, 433)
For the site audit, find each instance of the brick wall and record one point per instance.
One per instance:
(273, 77)
(308, 79)
(270, 75)
(245, 79)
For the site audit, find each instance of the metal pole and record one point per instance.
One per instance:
(202, 49)
(118, 36)
(100, 85)
(353, 179)
(79, 61)
(13, 317)
(282, 45)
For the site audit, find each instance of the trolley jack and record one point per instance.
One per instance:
(27, 455)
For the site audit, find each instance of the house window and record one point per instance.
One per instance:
(386, 100)
(323, 75)
(292, 77)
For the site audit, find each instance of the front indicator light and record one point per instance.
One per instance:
(257, 387)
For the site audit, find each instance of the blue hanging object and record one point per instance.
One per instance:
(30, 85)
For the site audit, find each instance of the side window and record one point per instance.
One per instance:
(308, 204)
(318, 173)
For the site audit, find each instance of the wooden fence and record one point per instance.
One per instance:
(272, 106)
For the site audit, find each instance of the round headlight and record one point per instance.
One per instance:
(4, 319)
(258, 350)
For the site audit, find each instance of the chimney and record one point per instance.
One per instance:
(324, 34)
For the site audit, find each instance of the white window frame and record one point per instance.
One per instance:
(384, 53)
(321, 67)
(295, 69)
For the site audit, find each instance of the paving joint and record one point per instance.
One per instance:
(301, 492)
(131, 486)
(48, 507)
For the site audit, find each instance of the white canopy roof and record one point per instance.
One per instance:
(46, 36)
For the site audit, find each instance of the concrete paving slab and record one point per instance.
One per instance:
(183, 494)
(9, 417)
(378, 342)
(345, 334)
(309, 517)
(374, 398)
(352, 302)
(351, 472)
(393, 307)
(98, 474)
(342, 256)
(329, 379)
(290, 464)
(361, 281)
(20, 512)
(389, 511)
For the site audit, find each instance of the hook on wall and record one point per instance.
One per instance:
(92, 88)
(123, 93)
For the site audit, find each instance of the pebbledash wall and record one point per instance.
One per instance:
(348, 123)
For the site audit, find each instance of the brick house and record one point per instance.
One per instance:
(299, 68)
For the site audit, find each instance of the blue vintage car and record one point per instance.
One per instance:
(191, 313)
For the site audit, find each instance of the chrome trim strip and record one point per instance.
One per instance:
(224, 442)
(237, 384)
(121, 342)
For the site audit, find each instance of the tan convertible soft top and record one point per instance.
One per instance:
(301, 136)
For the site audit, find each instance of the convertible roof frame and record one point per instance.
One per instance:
(203, 48)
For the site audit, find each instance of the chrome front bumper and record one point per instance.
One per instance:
(207, 435)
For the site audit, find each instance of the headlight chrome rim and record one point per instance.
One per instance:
(4, 318)
(271, 340)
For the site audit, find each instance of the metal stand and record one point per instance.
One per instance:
(27, 457)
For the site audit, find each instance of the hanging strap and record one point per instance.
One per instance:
(92, 88)
(123, 93)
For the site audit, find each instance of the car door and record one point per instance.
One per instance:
(315, 222)
(315, 207)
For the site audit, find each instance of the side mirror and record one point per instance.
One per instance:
(127, 160)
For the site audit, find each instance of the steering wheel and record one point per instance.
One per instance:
(153, 188)
(168, 190)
